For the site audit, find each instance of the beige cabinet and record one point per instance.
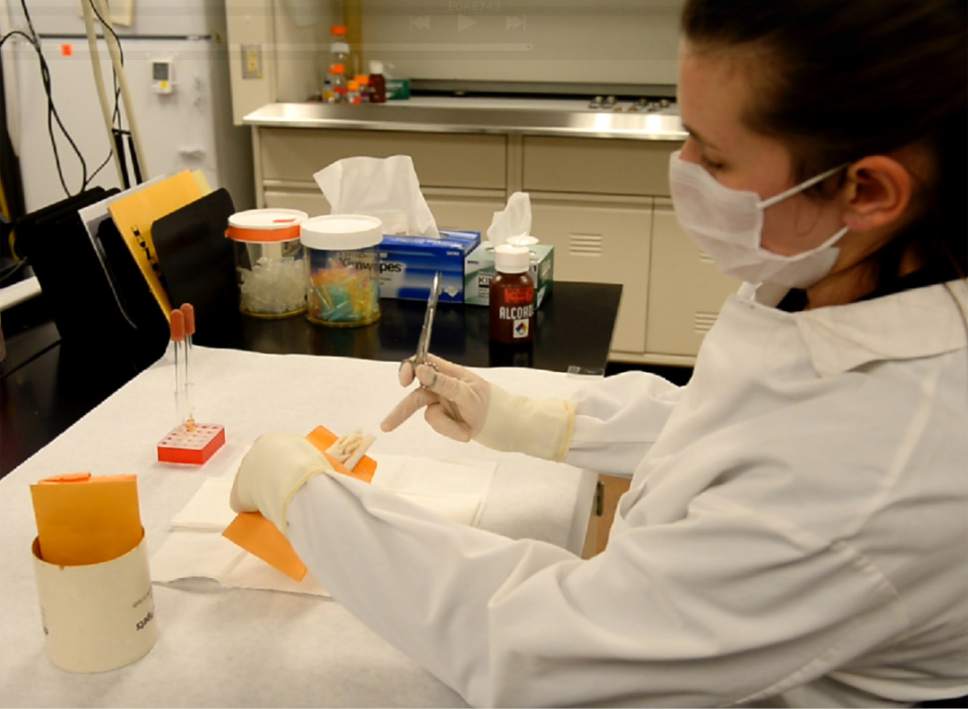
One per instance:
(603, 203)
(441, 159)
(464, 209)
(602, 243)
(309, 200)
(686, 290)
(596, 166)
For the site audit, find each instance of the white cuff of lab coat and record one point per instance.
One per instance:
(539, 427)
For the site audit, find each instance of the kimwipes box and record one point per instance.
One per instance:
(408, 264)
(479, 270)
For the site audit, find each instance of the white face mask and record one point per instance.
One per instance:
(727, 224)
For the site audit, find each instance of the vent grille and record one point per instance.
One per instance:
(702, 320)
(586, 244)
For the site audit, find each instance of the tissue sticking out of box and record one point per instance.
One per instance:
(514, 221)
(386, 188)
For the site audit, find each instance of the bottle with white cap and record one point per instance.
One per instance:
(343, 254)
(512, 296)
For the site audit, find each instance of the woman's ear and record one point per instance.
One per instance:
(879, 191)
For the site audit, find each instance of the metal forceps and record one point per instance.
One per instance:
(423, 344)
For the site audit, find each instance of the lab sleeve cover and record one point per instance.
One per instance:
(617, 419)
(668, 614)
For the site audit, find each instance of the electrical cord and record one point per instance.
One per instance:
(53, 115)
(116, 116)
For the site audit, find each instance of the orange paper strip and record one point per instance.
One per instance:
(83, 519)
(259, 536)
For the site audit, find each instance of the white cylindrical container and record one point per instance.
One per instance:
(343, 255)
(269, 261)
(97, 617)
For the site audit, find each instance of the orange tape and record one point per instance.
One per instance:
(238, 234)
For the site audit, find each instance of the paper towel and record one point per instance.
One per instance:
(386, 188)
(195, 547)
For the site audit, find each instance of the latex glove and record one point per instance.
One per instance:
(456, 399)
(272, 472)
(463, 406)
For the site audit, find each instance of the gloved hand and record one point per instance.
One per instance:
(274, 469)
(463, 406)
(456, 398)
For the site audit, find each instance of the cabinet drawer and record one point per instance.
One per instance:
(441, 160)
(601, 243)
(311, 202)
(597, 166)
(464, 211)
(686, 290)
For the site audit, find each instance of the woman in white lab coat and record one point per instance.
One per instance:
(796, 531)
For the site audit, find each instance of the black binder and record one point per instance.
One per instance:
(198, 265)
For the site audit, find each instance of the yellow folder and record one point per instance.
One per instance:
(83, 519)
(135, 214)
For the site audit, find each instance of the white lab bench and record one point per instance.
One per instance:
(235, 647)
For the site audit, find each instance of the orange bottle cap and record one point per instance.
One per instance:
(362, 79)
(337, 69)
(353, 85)
(177, 325)
(338, 30)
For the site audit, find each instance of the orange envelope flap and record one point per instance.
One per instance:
(86, 519)
(323, 438)
(259, 536)
(135, 214)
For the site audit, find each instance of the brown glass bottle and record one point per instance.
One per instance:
(512, 297)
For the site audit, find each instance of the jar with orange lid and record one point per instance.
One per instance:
(269, 261)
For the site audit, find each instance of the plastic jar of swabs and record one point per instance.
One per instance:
(343, 266)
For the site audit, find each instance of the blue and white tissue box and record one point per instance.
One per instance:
(408, 265)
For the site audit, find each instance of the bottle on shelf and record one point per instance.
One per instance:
(363, 81)
(339, 48)
(338, 66)
(336, 79)
(353, 92)
(378, 84)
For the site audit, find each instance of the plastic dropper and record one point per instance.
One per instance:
(178, 338)
(188, 311)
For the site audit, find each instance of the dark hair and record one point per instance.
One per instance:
(864, 77)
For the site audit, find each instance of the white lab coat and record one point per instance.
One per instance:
(796, 531)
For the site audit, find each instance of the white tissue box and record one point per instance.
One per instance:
(408, 264)
(479, 270)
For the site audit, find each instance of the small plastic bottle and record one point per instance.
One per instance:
(512, 296)
(339, 48)
(337, 83)
(378, 83)
(363, 81)
(353, 92)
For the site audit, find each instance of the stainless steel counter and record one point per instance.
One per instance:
(468, 115)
